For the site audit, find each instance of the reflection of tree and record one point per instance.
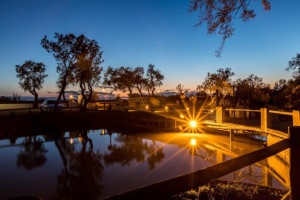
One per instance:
(133, 148)
(82, 175)
(33, 155)
(156, 157)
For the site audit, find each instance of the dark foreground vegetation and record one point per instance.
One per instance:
(223, 190)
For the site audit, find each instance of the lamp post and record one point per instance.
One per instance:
(70, 100)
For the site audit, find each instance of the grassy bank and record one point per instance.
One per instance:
(224, 190)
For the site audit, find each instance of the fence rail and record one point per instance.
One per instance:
(165, 189)
(281, 112)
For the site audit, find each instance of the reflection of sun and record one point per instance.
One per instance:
(193, 142)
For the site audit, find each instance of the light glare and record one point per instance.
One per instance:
(193, 124)
(193, 142)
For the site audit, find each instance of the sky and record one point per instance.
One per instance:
(139, 32)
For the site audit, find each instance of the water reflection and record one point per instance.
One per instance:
(33, 155)
(130, 148)
(82, 175)
(87, 164)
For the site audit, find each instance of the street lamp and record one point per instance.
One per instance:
(193, 124)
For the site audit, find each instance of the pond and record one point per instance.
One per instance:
(92, 164)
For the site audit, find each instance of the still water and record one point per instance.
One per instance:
(99, 163)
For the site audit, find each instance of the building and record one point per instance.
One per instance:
(138, 101)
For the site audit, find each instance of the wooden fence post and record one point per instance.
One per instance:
(220, 114)
(296, 118)
(294, 135)
(265, 119)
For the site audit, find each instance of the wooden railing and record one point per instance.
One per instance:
(265, 116)
(165, 189)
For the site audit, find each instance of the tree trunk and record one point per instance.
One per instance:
(83, 103)
(36, 99)
(153, 91)
(64, 97)
(62, 90)
(140, 90)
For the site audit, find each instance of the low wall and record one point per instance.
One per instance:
(15, 106)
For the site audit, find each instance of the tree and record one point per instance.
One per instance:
(218, 15)
(139, 80)
(87, 68)
(65, 51)
(120, 78)
(219, 81)
(252, 91)
(179, 88)
(294, 64)
(32, 76)
(154, 79)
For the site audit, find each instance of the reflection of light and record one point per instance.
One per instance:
(103, 90)
(211, 111)
(193, 124)
(167, 108)
(181, 116)
(147, 107)
(158, 91)
(71, 97)
(193, 142)
(80, 139)
(187, 109)
(71, 141)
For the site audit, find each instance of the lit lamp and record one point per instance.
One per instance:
(147, 107)
(70, 100)
(193, 124)
(181, 116)
(166, 108)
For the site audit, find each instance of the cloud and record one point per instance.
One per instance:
(72, 92)
(67, 92)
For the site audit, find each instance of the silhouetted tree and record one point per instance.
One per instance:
(218, 15)
(87, 71)
(219, 81)
(252, 92)
(154, 79)
(294, 64)
(139, 80)
(120, 78)
(32, 76)
(16, 97)
(179, 88)
(281, 93)
(65, 51)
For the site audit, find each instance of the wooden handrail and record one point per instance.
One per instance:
(280, 112)
(239, 109)
(165, 189)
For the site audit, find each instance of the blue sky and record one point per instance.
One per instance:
(136, 33)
